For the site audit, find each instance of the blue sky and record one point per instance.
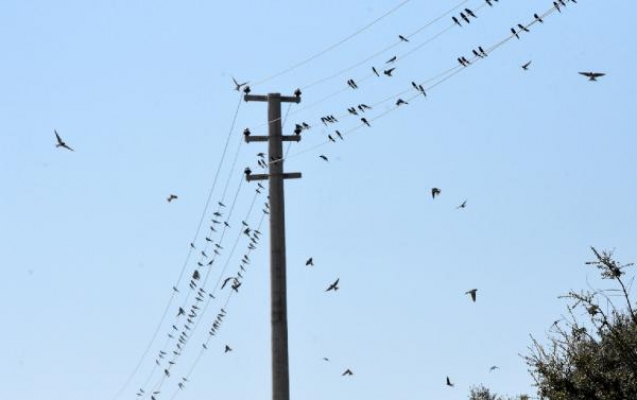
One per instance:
(142, 91)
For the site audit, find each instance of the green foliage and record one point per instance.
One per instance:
(592, 352)
(482, 393)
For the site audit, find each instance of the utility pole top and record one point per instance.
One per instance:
(282, 99)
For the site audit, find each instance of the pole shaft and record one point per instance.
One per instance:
(278, 283)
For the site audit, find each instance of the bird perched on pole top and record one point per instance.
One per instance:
(297, 93)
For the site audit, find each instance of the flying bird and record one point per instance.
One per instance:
(324, 157)
(449, 382)
(473, 293)
(388, 72)
(60, 142)
(435, 192)
(493, 368)
(592, 76)
(333, 286)
(526, 65)
(348, 372)
(237, 85)
(227, 349)
(309, 262)
(171, 197)
(463, 205)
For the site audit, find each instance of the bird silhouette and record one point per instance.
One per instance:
(388, 72)
(463, 205)
(309, 262)
(435, 192)
(375, 71)
(526, 65)
(515, 33)
(365, 121)
(465, 18)
(493, 368)
(404, 39)
(237, 85)
(473, 293)
(333, 286)
(60, 142)
(537, 18)
(401, 102)
(592, 76)
(348, 372)
(171, 197)
(297, 93)
(449, 382)
(455, 20)
(470, 13)
(227, 349)
(391, 60)
(324, 157)
(522, 27)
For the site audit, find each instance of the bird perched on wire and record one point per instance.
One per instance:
(472, 293)
(60, 142)
(237, 85)
(404, 39)
(592, 76)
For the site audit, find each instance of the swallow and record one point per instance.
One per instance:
(171, 197)
(333, 286)
(463, 205)
(404, 39)
(388, 72)
(375, 71)
(348, 372)
(246, 89)
(331, 139)
(421, 89)
(339, 135)
(489, 3)
(484, 53)
(526, 65)
(523, 28)
(324, 157)
(391, 60)
(475, 53)
(297, 93)
(592, 76)
(237, 85)
(455, 20)
(309, 262)
(515, 33)
(470, 13)
(228, 279)
(449, 382)
(247, 171)
(365, 121)
(557, 6)
(465, 18)
(400, 102)
(221, 204)
(472, 293)
(60, 142)
(493, 368)
(246, 132)
(435, 192)
(227, 349)
(538, 19)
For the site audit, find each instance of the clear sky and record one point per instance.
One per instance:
(142, 91)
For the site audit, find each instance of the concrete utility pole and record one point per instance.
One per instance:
(278, 284)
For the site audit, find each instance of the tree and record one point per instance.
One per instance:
(482, 393)
(592, 352)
